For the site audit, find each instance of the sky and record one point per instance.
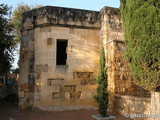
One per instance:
(79, 4)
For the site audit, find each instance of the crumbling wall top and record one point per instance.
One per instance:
(110, 11)
(61, 16)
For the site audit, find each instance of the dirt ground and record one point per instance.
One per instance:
(10, 112)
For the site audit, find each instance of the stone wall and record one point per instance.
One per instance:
(26, 78)
(130, 106)
(46, 85)
(59, 16)
(155, 103)
(74, 83)
(119, 75)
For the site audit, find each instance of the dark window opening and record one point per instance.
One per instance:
(61, 52)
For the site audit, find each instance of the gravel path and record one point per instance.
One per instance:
(10, 112)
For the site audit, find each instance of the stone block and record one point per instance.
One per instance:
(37, 97)
(42, 21)
(56, 95)
(76, 94)
(62, 69)
(69, 88)
(55, 82)
(45, 29)
(88, 75)
(70, 49)
(41, 68)
(85, 77)
(88, 82)
(67, 95)
(21, 94)
(23, 87)
(28, 25)
(56, 89)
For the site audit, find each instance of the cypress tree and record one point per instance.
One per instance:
(102, 93)
(141, 24)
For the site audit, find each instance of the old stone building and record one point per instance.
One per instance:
(59, 59)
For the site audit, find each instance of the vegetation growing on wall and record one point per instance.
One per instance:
(141, 23)
(102, 93)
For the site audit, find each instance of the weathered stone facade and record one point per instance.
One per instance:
(119, 75)
(49, 85)
(45, 84)
(130, 106)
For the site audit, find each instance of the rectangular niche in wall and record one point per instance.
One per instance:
(69, 88)
(61, 54)
(70, 92)
(49, 41)
(71, 30)
(55, 82)
(76, 94)
(86, 78)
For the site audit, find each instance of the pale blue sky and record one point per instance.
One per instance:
(80, 4)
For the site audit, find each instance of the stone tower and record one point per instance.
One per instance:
(59, 59)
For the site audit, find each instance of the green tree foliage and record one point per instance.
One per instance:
(102, 93)
(17, 19)
(141, 23)
(7, 42)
